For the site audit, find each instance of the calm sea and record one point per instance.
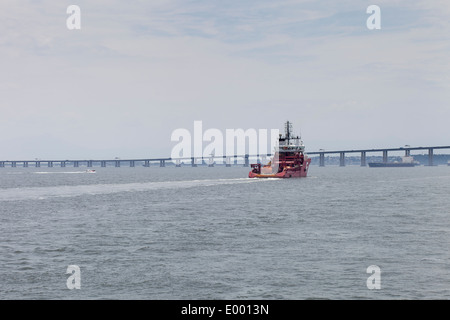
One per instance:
(212, 233)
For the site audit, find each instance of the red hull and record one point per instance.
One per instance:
(287, 172)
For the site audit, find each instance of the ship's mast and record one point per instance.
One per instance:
(288, 130)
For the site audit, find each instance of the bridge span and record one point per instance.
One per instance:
(211, 161)
(146, 162)
(407, 151)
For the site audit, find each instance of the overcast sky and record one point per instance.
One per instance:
(138, 70)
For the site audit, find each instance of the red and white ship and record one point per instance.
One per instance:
(289, 161)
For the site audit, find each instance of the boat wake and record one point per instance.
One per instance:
(42, 193)
(63, 172)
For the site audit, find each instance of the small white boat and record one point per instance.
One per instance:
(90, 171)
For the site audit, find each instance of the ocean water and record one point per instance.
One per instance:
(212, 233)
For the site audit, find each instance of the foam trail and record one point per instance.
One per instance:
(64, 172)
(39, 193)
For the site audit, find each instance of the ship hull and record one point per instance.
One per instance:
(300, 172)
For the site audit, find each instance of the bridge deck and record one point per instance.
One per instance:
(228, 159)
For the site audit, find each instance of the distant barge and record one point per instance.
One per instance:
(390, 164)
(406, 162)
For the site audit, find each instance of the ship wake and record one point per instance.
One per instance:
(42, 193)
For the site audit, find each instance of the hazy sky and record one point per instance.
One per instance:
(138, 70)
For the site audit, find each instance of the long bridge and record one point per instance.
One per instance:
(228, 160)
(407, 150)
(146, 162)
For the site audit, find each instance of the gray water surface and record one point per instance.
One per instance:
(212, 233)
